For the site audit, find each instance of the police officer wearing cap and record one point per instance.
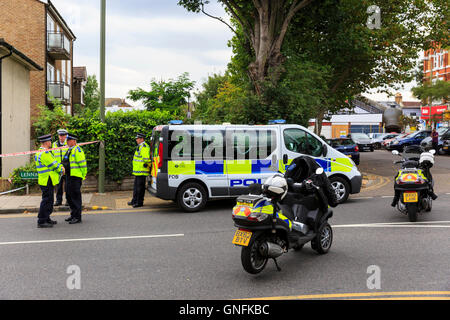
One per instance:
(59, 155)
(49, 171)
(76, 170)
(141, 170)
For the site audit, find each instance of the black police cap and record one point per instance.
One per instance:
(47, 137)
(71, 137)
(140, 135)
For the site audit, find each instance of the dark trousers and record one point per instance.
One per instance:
(139, 190)
(46, 208)
(73, 194)
(60, 189)
(435, 146)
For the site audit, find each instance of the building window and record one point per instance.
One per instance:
(50, 24)
(50, 73)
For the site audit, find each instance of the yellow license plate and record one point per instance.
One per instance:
(410, 197)
(242, 238)
(349, 156)
(445, 148)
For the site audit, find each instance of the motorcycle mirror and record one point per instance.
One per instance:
(319, 171)
(395, 153)
(432, 151)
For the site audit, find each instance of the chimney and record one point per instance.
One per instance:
(399, 99)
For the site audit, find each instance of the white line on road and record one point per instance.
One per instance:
(92, 239)
(424, 224)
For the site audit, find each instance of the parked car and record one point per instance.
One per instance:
(377, 135)
(446, 146)
(363, 141)
(377, 141)
(346, 146)
(411, 140)
(427, 143)
(385, 144)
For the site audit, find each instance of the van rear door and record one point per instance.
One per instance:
(155, 148)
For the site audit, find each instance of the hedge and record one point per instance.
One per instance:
(118, 132)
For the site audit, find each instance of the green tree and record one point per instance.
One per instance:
(334, 34)
(429, 92)
(49, 121)
(92, 94)
(260, 26)
(168, 95)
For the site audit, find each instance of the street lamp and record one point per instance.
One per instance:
(101, 164)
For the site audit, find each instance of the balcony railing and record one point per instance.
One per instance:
(59, 90)
(58, 46)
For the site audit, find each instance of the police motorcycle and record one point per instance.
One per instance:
(414, 184)
(284, 213)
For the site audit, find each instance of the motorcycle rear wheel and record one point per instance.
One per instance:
(412, 210)
(252, 260)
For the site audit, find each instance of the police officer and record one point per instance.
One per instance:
(49, 171)
(76, 163)
(141, 170)
(59, 155)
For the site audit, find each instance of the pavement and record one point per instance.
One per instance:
(91, 201)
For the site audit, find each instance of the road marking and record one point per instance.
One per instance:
(424, 224)
(356, 295)
(359, 198)
(387, 196)
(91, 239)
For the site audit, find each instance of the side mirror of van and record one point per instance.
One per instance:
(395, 153)
(325, 150)
(319, 171)
(432, 151)
(285, 158)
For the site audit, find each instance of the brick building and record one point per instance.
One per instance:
(36, 28)
(80, 78)
(436, 65)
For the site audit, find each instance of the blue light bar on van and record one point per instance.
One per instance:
(176, 122)
(279, 121)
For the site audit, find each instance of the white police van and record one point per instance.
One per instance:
(195, 163)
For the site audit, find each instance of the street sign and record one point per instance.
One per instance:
(28, 175)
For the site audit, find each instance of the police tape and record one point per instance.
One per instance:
(42, 150)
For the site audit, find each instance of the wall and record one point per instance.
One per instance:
(22, 24)
(16, 113)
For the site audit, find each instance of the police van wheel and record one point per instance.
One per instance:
(192, 197)
(341, 187)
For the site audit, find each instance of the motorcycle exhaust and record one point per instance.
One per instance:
(270, 250)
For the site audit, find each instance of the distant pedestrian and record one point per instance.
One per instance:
(435, 140)
(75, 160)
(141, 170)
(49, 171)
(59, 155)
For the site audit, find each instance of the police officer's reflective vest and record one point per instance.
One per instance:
(77, 161)
(141, 157)
(47, 167)
(59, 154)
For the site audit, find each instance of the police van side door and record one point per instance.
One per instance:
(248, 157)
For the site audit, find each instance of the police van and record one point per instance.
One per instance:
(192, 164)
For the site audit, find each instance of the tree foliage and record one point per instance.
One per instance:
(168, 95)
(429, 92)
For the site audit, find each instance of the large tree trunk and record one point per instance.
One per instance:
(266, 33)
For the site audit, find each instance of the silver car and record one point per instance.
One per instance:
(427, 143)
(363, 141)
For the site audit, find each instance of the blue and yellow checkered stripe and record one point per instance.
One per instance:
(210, 167)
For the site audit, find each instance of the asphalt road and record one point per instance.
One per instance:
(168, 254)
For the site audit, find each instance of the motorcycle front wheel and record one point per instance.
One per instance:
(251, 258)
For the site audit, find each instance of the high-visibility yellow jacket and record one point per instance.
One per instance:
(141, 157)
(77, 160)
(47, 167)
(59, 154)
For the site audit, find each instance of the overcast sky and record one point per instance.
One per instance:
(149, 39)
